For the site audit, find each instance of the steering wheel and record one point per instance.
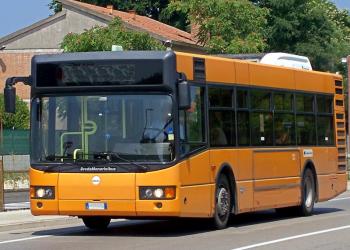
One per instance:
(159, 132)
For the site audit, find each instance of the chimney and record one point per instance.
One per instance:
(110, 8)
(133, 13)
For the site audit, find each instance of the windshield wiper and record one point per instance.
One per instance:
(103, 159)
(59, 160)
(110, 155)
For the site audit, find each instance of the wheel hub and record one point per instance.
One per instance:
(308, 192)
(223, 202)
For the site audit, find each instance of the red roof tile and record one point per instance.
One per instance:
(142, 23)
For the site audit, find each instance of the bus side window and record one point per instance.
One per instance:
(306, 122)
(325, 128)
(243, 121)
(192, 126)
(221, 117)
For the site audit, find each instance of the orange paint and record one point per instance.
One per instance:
(263, 177)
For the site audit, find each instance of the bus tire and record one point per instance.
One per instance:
(96, 222)
(223, 204)
(308, 194)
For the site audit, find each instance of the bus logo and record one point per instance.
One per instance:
(96, 180)
(308, 153)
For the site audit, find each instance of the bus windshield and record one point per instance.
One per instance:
(116, 128)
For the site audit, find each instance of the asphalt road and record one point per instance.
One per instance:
(328, 228)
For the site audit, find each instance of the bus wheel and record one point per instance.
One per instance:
(308, 193)
(222, 203)
(96, 222)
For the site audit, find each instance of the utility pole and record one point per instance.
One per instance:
(2, 203)
(347, 61)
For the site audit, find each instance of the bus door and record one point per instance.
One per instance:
(196, 176)
(276, 175)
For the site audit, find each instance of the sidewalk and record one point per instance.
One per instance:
(24, 219)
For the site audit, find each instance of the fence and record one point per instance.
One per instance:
(14, 150)
(14, 142)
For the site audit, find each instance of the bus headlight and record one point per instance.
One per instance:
(157, 193)
(37, 192)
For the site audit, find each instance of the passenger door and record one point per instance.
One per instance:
(276, 177)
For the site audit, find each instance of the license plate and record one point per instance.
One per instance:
(96, 206)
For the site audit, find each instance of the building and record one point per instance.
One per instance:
(46, 35)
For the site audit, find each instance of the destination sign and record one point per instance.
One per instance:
(99, 74)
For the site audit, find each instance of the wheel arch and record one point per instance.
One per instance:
(226, 170)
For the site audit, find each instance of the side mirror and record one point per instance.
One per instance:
(184, 95)
(10, 99)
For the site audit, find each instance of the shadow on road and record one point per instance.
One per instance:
(175, 228)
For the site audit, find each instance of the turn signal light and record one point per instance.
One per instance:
(169, 192)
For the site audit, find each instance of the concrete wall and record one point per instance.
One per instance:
(50, 34)
(16, 163)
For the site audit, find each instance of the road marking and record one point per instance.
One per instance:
(292, 238)
(24, 239)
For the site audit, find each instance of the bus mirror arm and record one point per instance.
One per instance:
(10, 92)
(184, 95)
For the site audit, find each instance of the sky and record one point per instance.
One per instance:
(345, 4)
(31, 11)
(18, 14)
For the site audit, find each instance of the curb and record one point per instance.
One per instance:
(41, 223)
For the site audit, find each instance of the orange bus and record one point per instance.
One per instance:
(168, 134)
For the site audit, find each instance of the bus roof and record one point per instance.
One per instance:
(233, 71)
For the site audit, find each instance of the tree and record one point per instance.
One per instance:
(150, 8)
(176, 14)
(19, 120)
(55, 6)
(226, 26)
(314, 28)
(102, 39)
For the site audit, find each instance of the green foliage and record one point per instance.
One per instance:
(150, 8)
(225, 26)
(102, 39)
(314, 28)
(55, 6)
(19, 120)
(176, 14)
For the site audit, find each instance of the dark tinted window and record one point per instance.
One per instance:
(260, 99)
(324, 104)
(304, 103)
(243, 128)
(195, 116)
(284, 129)
(242, 98)
(192, 133)
(325, 130)
(306, 130)
(261, 126)
(283, 101)
(221, 128)
(220, 97)
(99, 73)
